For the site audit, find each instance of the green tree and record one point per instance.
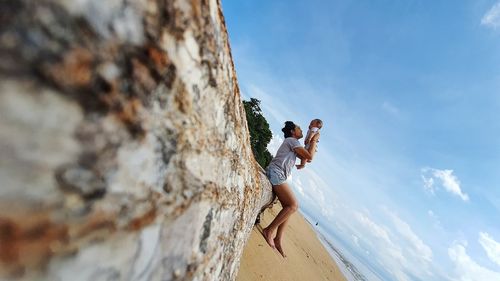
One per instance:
(260, 134)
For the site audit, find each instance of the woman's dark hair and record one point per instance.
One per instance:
(289, 127)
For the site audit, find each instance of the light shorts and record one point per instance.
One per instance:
(275, 176)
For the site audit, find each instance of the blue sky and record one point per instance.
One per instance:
(406, 179)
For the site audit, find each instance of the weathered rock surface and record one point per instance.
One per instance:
(125, 151)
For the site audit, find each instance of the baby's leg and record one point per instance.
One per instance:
(312, 154)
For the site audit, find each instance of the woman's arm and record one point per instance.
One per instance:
(306, 154)
(302, 153)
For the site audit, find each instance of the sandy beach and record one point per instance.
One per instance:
(306, 259)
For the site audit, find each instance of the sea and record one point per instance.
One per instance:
(349, 265)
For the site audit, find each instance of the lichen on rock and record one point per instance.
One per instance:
(125, 151)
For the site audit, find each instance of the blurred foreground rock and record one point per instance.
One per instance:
(125, 153)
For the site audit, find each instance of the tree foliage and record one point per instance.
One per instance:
(260, 134)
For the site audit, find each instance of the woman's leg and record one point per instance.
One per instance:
(279, 236)
(289, 204)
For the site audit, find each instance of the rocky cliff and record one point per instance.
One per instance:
(125, 150)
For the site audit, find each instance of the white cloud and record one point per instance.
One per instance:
(420, 249)
(355, 239)
(274, 144)
(466, 269)
(404, 254)
(428, 184)
(297, 184)
(319, 197)
(378, 239)
(491, 247)
(392, 243)
(278, 109)
(492, 17)
(373, 228)
(318, 189)
(435, 219)
(308, 184)
(451, 183)
(448, 181)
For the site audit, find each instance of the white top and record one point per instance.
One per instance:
(285, 156)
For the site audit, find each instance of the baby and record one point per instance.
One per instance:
(314, 128)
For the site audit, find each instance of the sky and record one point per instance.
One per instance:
(406, 177)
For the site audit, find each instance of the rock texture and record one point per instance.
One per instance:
(125, 151)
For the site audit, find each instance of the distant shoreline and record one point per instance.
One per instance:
(350, 272)
(341, 261)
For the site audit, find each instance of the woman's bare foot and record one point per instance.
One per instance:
(277, 242)
(269, 237)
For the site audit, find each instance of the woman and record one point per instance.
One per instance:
(278, 171)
